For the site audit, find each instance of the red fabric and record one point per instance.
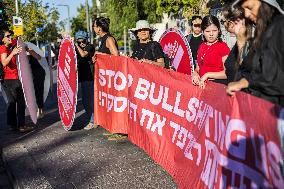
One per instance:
(212, 57)
(11, 70)
(201, 142)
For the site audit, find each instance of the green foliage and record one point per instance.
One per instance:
(79, 22)
(34, 16)
(125, 13)
(9, 12)
(50, 33)
(190, 7)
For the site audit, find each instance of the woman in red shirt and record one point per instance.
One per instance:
(11, 84)
(211, 54)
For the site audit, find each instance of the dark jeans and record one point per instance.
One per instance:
(87, 88)
(16, 103)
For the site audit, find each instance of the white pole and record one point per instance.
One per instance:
(17, 8)
(69, 26)
(124, 39)
(87, 18)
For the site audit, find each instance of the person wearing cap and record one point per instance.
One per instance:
(85, 52)
(264, 74)
(196, 38)
(145, 49)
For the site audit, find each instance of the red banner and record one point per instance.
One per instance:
(203, 138)
(67, 83)
(176, 46)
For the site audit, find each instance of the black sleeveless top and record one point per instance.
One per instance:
(102, 44)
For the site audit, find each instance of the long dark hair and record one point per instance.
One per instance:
(103, 23)
(233, 13)
(208, 20)
(2, 35)
(264, 19)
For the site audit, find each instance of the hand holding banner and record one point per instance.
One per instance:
(203, 138)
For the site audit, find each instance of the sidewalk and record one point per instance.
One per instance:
(50, 157)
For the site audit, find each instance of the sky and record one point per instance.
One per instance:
(73, 4)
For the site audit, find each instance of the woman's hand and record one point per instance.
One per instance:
(17, 50)
(240, 32)
(94, 58)
(232, 88)
(202, 81)
(195, 78)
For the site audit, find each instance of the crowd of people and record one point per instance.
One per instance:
(254, 65)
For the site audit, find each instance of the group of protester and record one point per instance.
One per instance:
(254, 65)
(256, 62)
(144, 50)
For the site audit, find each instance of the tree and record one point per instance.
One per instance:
(79, 22)
(8, 13)
(125, 13)
(50, 32)
(189, 7)
(34, 16)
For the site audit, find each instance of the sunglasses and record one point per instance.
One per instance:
(8, 36)
(144, 29)
(82, 41)
(197, 25)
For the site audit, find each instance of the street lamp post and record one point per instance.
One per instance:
(87, 17)
(17, 8)
(68, 9)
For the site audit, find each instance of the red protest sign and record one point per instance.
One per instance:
(176, 46)
(203, 138)
(67, 83)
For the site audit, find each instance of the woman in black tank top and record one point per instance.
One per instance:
(107, 43)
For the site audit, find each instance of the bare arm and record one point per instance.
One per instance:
(160, 62)
(110, 44)
(81, 51)
(7, 59)
(34, 54)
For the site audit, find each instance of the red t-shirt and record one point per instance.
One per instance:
(11, 70)
(209, 58)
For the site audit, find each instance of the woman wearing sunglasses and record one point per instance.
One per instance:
(11, 84)
(145, 48)
(235, 23)
(85, 52)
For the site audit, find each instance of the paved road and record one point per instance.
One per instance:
(50, 157)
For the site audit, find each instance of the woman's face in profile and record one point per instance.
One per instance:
(251, 8)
